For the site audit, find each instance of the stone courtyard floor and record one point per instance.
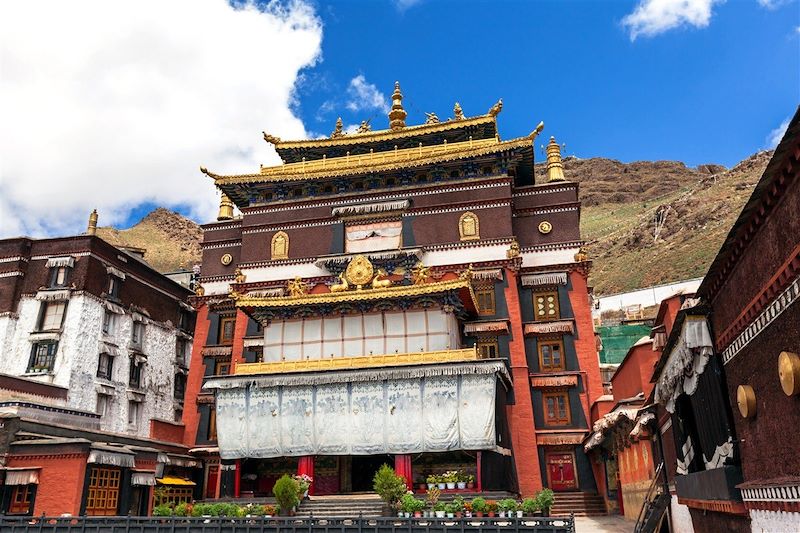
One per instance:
(603, 524)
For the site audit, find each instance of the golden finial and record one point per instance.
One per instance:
(458, 113)
(431, 118)
(364, 127)
(92, 228)
(496, 108)
(339, 130)
(555, 168)
(225, 208)
(397, 116)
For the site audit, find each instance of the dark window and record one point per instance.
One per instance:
(137, 333)
(485, 299)
(487, 348)
(186, 322)
(114, 284)
(556, 408)
(551, 356)
(226, 326)
(103, 402)
(180, 386)
(52, 316)
(135, 376)
(59, 276)
(43, 357)
(181, 349)
(222, 368)
(109, 323)
(105, 365)
(178, 415)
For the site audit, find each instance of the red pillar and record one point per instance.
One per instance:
(239, 332)
(305, 465)
(402, 467)
(585, 345)
(191, 415)
(478, 480)
(520, 415)
(237, 480)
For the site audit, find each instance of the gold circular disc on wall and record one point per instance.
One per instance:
(746, 400)
(789, 373)
(545, 227)
(359, 271)
(226, 259)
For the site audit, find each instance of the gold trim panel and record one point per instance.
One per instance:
(374, 162)
(358, 295)
(348, 363)
(382, 135)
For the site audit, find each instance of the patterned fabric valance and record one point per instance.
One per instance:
(53, 296)
(106, 457)
(27, 476)
(215, 351)
(362, 418)
(254, 343)
(685, 363)
(488, 274)
(365, 209)
(67, 261)
(541, 328)
(545, 278)
(496, 326)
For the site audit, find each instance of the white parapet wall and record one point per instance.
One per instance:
(646, 297)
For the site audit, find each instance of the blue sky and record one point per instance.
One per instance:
(114, 106)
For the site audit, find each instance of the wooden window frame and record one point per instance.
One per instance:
(557, 421)
(174, 495)
(484, 311)
(487, 342)
(49, 356)
(218, 364)
(540, 344)
(221, 335)
(536, 316)
(54, 274)
(102, 498)
(21, 500)
(43, 315)
(109, 366)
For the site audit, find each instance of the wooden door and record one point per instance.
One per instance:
(561, 471)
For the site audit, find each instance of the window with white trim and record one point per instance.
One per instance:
(52, 316)
(134, 408)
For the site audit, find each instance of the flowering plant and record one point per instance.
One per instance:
(303, 483)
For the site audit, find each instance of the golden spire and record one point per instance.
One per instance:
(339, 130)
(555, 169)
(397, 116)
(225, 208)
(92, 228)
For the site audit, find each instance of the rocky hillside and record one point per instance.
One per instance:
(171, 241)
(646, 222)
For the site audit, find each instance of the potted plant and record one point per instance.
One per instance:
(408, 504)
(451, 509)
(470, 481)
(440, 483)
(530, 507)
(303, 484)
(432, 480)
(468, 509)
(388, 485)
(461, 482)
(545, 499)
(286, 491)
(458, 504)
(450, 479)
(439, 509)
(419, 506)
(507, 506)
(433, 497)
(479, 506)
(491, 508)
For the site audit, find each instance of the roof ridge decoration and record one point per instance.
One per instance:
(397, 116)
(377, 161)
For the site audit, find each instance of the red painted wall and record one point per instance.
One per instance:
(166, 431)
(585, 344)
(191, 415)
(61, 482)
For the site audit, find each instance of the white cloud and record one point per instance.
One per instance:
(776, 135)
(364, 96)
(652, 17)
(772, 4)
(110, 104)
(402, 5)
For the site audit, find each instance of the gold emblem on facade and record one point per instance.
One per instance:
(360, 271)
(746, 401)
(545, 227)
(297, 287)
(226, 259)
(789, 373)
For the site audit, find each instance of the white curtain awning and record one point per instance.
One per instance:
(67, 261)
(217, 350)
(114, 308)
(26, 476)
(116, 272)
(495, 326)
(488, 274)
(364, 209)
(143, 479)
(107, 457)
(53, 296)
(686, 362)
(545, 278)
(250, 343)
(557, 326)
(109, 348)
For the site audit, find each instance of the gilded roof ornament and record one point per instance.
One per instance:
(496, 108)
(555, 168)
(339, 130)
(458, 113)
(364, 127)
(272, 139)
(420, 274)
(359, 271)
(397, 116)
(225, 208)
(297, 287)
(431, 118)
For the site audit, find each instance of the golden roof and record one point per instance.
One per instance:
(359, 295)
(377, 161)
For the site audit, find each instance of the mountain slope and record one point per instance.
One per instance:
(171, 241)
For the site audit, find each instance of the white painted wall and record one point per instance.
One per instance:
(77, 359)
(773, 521)
(648, 296)
(681, 518)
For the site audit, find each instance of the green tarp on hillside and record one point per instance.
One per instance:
(617, 340)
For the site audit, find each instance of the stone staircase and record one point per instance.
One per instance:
(349, 505)
(579, 504)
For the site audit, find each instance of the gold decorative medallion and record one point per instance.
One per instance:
(469, 228)
(789, 373)
(359, 271)
(226, 259)
(545, 227)
(746, 400)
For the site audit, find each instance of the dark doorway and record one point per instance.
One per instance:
(364, 468)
